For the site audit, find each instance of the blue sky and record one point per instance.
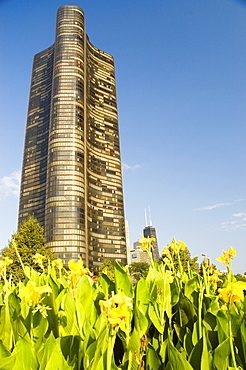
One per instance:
(181, 87)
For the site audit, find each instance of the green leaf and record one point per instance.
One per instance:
(152, 359)
(190, 286)
(122, 281)
(8, 363)
(155, 319)
(221, 354)
(49, 347)
(176, 360)
(3, 351)
(23, 361)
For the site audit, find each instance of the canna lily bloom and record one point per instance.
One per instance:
(177, 246)
(57, 263)
(227, 256)
(117, 309)
(166, 251)
(121, 300)
(6, 261)
(117, 315)
(233, 292)
(38, 259)
(168, 277)
(167, 261)
(77, 268)
(32, 294)
(146, 243)
(214, 278)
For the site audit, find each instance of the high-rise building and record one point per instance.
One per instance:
(71, 175)
(150, 232)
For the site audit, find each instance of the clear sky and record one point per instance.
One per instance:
(181, 87)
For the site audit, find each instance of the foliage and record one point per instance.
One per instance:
(170, 320)
(138, 270)
(183, 256)
(107, 268)
(240, 277)
(28, 240)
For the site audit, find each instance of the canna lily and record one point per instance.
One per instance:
(146, 243)
(117, 309)
(6, 261)
(38, 259)
(57, 263)
(233, 292)
(168, 277)
(214, 278)
(227, 256)
(167, 261)
(177, 246)
(32, 294)
(77, 268)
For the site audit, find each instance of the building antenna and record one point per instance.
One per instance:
(150, 222)
(145, 214)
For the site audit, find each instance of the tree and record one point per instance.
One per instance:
(185, 260)
(29, 240)
(107, 268)
(138, 270)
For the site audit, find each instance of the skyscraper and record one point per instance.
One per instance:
(71, 175)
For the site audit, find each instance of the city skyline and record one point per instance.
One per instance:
(181, 89)
(71, 176)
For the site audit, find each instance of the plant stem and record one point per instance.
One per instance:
(231, 345)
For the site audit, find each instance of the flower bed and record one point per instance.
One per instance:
(61, 319)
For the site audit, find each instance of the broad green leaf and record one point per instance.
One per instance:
(221, 354)
(70, 347)
(23, 361)
(122, 281)
(196, 355)
(190, 286)
(155, 319)
(85, 295)
(223, 326)
(152, 359)
(8, 363)
(206, 360)
(3, 351)
(49, 346)
(177, 361)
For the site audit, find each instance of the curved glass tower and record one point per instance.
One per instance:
(71, 175)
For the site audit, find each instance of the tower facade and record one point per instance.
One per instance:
(150, 232)
(71, 174)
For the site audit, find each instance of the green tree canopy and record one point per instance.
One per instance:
(138, 270)
(185, 259)
(29, 240)
(107, 268)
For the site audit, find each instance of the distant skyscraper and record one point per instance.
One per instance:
(150, 232)
(139, 255)
(71, 175)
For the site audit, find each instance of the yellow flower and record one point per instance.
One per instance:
(117, 315)
(38, 259)
(177, 246)
(77, 268)
(233, 292)
(167, 261)
(168, 277)
(166, 251)
(6, 261)
(32, 294)
(227, 256)
(117, 309)
(57, 263)
(146, 243)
